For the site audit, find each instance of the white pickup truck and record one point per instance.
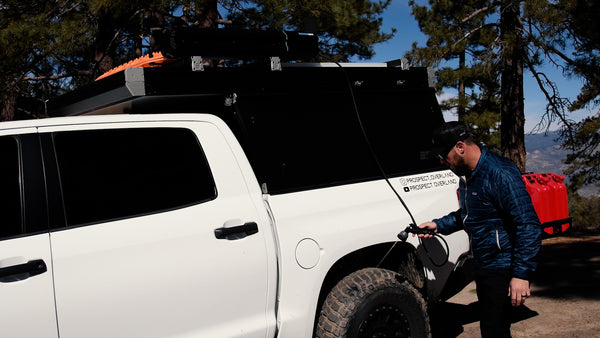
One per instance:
(263, 207)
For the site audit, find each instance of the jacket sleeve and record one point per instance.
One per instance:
(449, 223)
(521, 221)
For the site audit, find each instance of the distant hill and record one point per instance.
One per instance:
(544, 154)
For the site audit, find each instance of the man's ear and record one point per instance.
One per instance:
(460, 147)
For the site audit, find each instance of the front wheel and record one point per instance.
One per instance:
(373, 303)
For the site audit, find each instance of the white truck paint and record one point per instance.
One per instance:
(166, 275)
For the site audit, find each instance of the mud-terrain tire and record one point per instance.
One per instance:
(374, 303)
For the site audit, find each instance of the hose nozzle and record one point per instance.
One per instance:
(413, 229)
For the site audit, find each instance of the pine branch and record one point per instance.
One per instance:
(57, 76)
(115, 36)
(547, 48)
(555, 107)
(475, 13)
(66, 11)
(473, 31)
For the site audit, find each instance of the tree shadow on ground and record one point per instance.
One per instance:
(569, 268)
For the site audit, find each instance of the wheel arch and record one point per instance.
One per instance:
(402, 258)
(374, 302)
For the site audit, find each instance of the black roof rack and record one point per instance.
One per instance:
(135, 83)
(185, 78)
(235, 43)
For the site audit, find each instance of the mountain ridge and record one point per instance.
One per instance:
(545, 155)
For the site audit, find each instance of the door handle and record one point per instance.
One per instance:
(23, 271)
(236, 232)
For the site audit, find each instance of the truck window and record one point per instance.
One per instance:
(399, 124)
(304, 140)
(118, 173)
(10, 190)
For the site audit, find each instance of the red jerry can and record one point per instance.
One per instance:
(539, 197)
(559, 191)
(547, 202)
(549, 197)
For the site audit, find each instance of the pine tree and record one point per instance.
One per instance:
(512, 111)
(49, 47)
(345, 28)
(35, 39)
(515, 37)
(583, 138)
(465, 44)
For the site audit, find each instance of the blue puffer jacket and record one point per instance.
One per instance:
(497, 213)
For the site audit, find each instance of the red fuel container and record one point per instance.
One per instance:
(549, 197)
(559, 191)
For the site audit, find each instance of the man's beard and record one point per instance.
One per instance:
(460, 168)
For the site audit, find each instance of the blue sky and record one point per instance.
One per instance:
(398, 16)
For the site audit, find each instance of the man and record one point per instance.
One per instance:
(497, 213)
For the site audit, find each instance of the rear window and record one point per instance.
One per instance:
(118, 173)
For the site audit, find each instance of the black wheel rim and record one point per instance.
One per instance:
(385, 321)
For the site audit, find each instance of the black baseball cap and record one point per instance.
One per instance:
(447, 135)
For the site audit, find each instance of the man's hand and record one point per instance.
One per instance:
(518, 291)
(429, 226)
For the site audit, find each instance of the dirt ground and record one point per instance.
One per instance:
(565, 298)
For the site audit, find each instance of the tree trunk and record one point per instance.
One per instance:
(9, 105)
(462, 99)
(210, 19)
(210, 15)
(512, 128)
(103, 50)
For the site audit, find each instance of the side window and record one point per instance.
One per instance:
(10, 190)
(399, 124)
(119, 173)
(305, 140)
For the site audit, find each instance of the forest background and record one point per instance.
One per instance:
(481, 51)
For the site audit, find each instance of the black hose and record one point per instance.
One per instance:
(412, 227)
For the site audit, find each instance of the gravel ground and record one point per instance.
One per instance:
(565, 298)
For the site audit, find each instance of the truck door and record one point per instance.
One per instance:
(26, 293)
(162, 238)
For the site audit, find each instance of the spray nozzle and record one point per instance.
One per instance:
(413, 229)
